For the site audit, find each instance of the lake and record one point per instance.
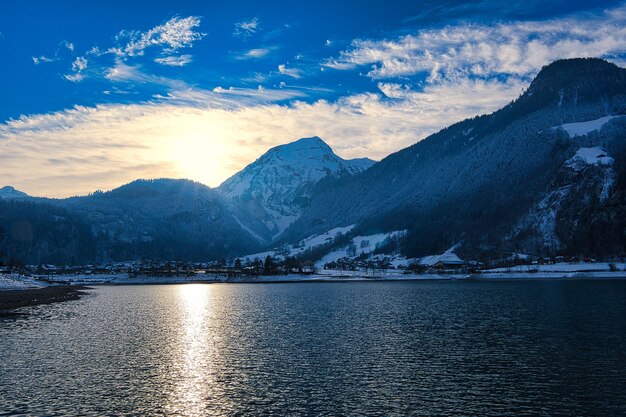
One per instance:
(360, 348)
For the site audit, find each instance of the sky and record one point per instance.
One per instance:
(97, 94)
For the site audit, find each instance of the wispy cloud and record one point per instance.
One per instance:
(290, 72)
(78, 66)
(63, 47)
(174, 61)
(255, 53)
(67, 45)
(246, 28)
(75, 77)
(436, 10)
(176, 33)
(122, 72)
(517, 48)
(167, 39)
(42, 58)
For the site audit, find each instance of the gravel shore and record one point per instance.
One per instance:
(12, 299)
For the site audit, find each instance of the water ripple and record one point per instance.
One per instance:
(380, 349)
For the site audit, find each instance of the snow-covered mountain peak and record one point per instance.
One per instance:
(8, 192)
(301, 148)
(311, 154)
(277, 186)
(287, 168)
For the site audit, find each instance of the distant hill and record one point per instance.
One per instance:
(10, 193)
(150, 219)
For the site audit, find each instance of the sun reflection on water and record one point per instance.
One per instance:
(191, 361)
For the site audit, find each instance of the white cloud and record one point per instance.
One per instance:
(517, 48)
(59, 51)
(394, 90)
(75, 78)
(39, 59)
(246, 28)
(290, 72)
(95, 51)
(176, 33)
(79, 64)
(174, 61)
(224, 129)
(69, 45)
(255, 53)
(124, 72)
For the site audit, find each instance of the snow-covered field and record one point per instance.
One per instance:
(561, 267)
(303, 245)
(584, 128)
(363, 244)
(589, 156)
(18, 282)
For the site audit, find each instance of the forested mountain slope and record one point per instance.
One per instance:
(477, 180)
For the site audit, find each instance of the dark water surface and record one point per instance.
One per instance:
(393, 348)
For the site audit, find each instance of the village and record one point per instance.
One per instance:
(374, 267)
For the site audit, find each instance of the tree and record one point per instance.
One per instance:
(257, 265)
(291, 264)
(269, 266)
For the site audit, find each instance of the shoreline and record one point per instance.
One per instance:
(12, 299)
(18, 298)
(318, 278)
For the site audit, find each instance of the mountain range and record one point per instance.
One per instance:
(544, 175)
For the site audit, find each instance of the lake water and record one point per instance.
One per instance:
(372, 348)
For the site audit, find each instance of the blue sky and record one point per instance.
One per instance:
(98, 94)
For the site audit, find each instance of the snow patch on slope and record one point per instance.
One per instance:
(448, 257)
(363, 244)
(584, 128)
(588, 156)
(305, 244)
(316, 240)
